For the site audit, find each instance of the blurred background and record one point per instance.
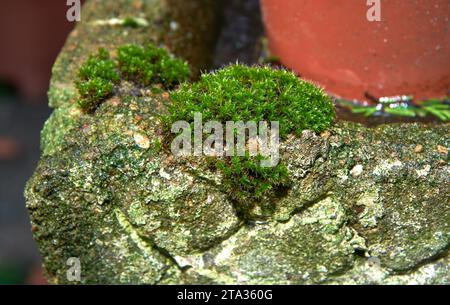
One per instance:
(31, 35)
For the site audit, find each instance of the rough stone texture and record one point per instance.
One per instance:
(364, 207)
(168, 23)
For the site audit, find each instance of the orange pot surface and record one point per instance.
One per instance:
(332, 42)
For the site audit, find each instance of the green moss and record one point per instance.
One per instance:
(130, 22)
(92, 92)
(240, 93)
(246, 179)
(144, 66)
(99, 66)
(96, 79)
(151, 65)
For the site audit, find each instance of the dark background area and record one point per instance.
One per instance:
(31, 35)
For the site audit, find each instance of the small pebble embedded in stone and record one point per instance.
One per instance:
(357, 170)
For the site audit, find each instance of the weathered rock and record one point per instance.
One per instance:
(168, 23)
(364, 207)
(132, 213)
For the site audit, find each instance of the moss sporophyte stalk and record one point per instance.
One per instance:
(236, 93)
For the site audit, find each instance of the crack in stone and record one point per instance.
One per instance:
(145, 244)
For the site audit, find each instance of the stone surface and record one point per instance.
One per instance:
(364, 207)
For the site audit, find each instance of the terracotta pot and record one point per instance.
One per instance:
(334, 44)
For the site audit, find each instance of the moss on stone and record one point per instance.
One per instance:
(130, 22)
(241, 93)
(96, 79)
(145, 66)
(151, 65)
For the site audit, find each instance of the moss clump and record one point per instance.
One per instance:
(240, 93)
(151, 65)
(246, 179)
(144, 66)
(96, 79)
(130, 22)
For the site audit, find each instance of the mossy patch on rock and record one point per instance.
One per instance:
(242, 93)
(253, 94)
(145, 66)
(96, 79)
(151, 65)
